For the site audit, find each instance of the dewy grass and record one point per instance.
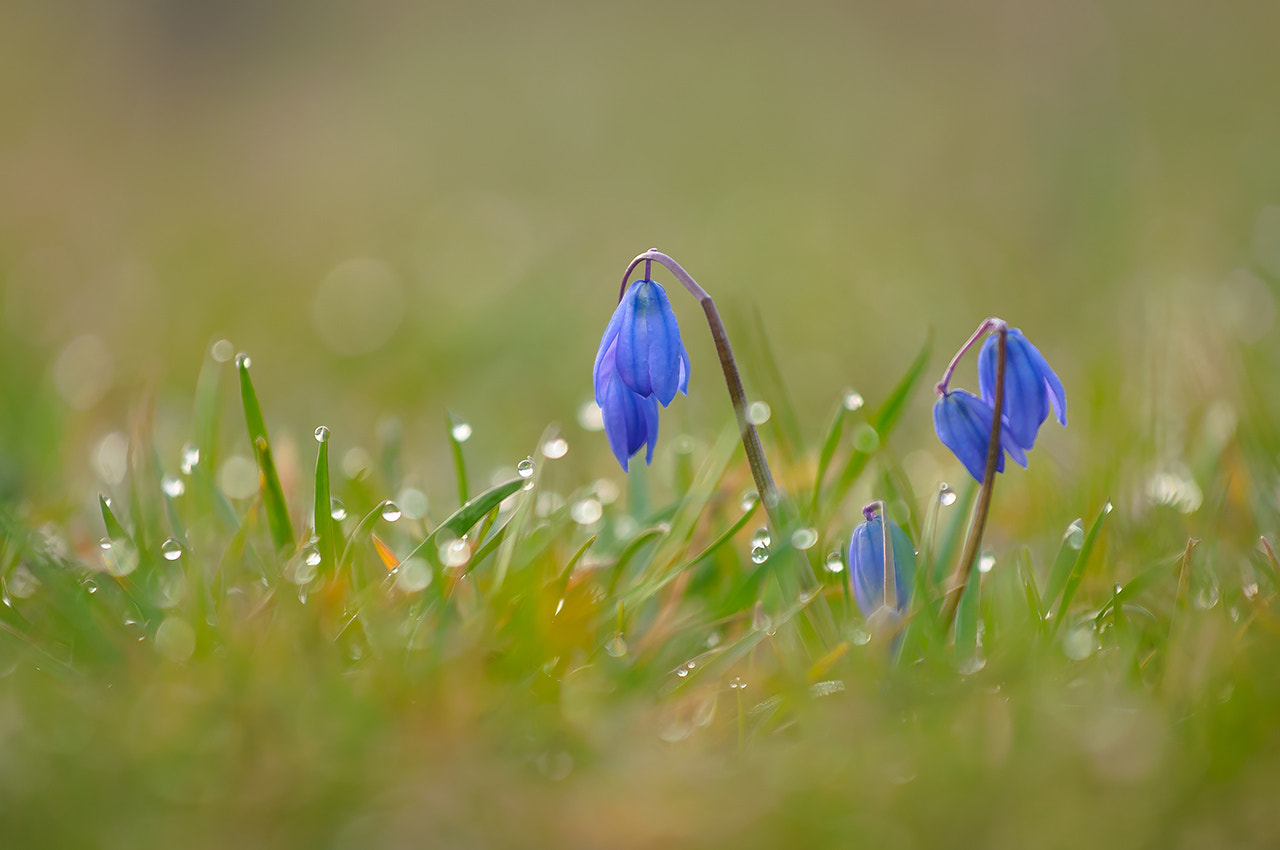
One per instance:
(540, 662)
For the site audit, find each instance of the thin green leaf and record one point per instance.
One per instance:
(272, 493)
(1082, 560)
(471, 512)
(115, 530)
(457, 429)
(1072, 539)
(327, 531)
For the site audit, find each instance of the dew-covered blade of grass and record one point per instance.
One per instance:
(272, 493)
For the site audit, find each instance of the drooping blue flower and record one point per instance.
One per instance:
(866, 565)
(630, 419)
(963, 423)
(1030, 386)
(649, 357)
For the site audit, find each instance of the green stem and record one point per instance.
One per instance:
(965, 568)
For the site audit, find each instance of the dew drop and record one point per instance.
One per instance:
(736, 683)
(171, 549)
(759, 412)
(750, 498)
(947, 496)
(243, 362)
(525, 467)
(461, 431)
(1074, 537)
(105, 543)
(1107, 508)
(455, 553)
(616, 645)
(413, 575)
(338, 511)
(590, 417)
(1116, 588)
(555, 448)
(1250, 590)
(1079, 643)
(760, 621)
(759, 554)
(391, 511)
(986, 562)
(173, 486)
(761, 537)
(682, 672)
(586, 512)
(835, 561)
(92, 586)
(861, 637)
(853, 401)
(190, 457)
(322, 433)
(804, 538)
(312, 558)
(1206, 597)
(972, 665)
(606, 491)
(222, 350)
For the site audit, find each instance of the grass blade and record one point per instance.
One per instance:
(272, 493)
(326, 529)
(459, 432)
(471, 512)
(1082, 559)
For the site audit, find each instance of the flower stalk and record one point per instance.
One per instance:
(760, 471)
(994, 450)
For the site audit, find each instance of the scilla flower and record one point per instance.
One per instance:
(649, 356)
(641, 363)
(867, 567)
(1030, 387)
(963, 422)
(630, 419)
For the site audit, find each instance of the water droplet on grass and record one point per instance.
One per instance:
(222, 351)
(1207, 597)
(105, 543)
(173, 486)
(760, 554)
(1250, 590)
(322, 433)
(244, 362)
(750, 498)
(92, 586)
(737, 684)
(806, 538)
(1074, 537)
(171, 549)
(455, 553)
(853, 401)
(525, 467)
(413, 575)
(587, 511)
(616, 645)
(461, 431)
(120, 557)
(391, 511)
(946, 496)
(312, 558)
(759, 412)
(761, 537)
(338, 511)
(555, 448)
(191, 457)
(835, 560)
(987, 562)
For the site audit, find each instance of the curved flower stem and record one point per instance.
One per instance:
(750, 439)
(992, 324)
(890, 574)
(965, 568)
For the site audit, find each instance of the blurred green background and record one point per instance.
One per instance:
(400, 208)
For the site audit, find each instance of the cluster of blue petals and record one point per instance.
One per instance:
(866, 565)
(641, 363)
(963, 420)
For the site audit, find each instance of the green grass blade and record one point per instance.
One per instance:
(1062, 563)
(1026, 575)
(471, 512)
(459, 431)
(1082, 560)
(967, 621)
(325, 527)
(725, 536)
(829, 446)
(272, 493)
(115, 530)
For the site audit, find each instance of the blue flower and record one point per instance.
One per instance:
(866, 565)
(649, 356)
(963, 423)
(630, 419)
(1030, 386)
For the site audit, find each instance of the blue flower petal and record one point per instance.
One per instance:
(963, 423)
(630, 421)
(1030, 386)
(649, 355)
(866, 565)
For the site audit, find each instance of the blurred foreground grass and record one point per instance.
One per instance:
(407, 210)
